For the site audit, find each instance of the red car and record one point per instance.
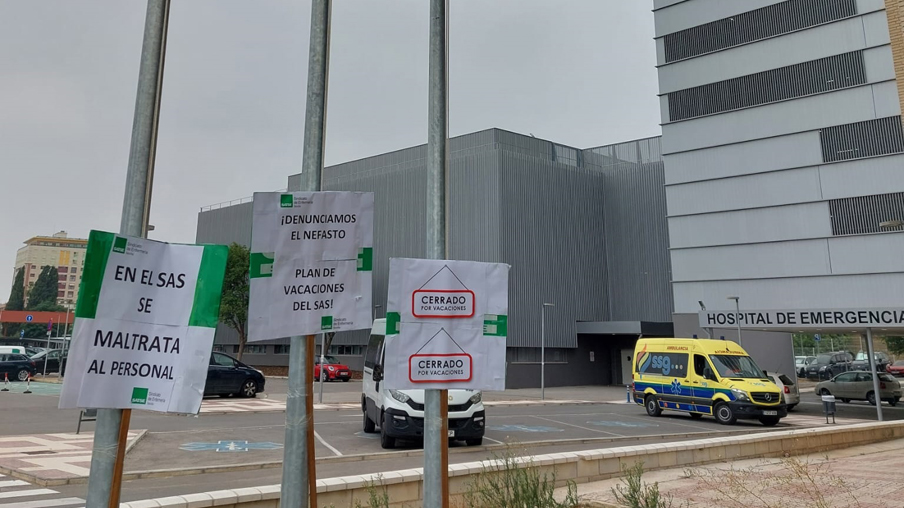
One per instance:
(332, 369)
(896, 369)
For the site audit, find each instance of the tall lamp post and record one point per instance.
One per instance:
(543, 349)
(737, 316)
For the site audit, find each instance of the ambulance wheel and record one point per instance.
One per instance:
(652, 406)
(769, 421)
(724, 414)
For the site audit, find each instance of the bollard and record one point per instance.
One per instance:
(5, 382)
(628, 394)
(828, 407)
(28, 385)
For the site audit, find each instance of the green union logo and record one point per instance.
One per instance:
(139, 395)
(120, 244)
(286, 201)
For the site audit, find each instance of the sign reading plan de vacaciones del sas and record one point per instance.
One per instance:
(311, 263)
(144, 327)
(446, 324)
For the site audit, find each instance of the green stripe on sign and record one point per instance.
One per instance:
(99, 245)
(366, 259)
(392, 323)
(260, 265)
(495, 325)
(205, 311)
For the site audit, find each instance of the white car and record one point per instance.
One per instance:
(400, 413)
(790, 390)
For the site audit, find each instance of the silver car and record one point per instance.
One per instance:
(790, 390)
(849, 386)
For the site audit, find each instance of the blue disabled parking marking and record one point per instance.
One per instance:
(610, 423)
(229, 446)
(523, 428)
(365, 435)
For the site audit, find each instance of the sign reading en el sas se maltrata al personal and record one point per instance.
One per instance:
(311, 263)
(144, 326)
(446, 324)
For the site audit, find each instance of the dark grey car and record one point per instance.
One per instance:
(829, 365)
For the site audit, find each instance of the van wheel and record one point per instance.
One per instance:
(652, 406)
(893, 401)
(769, 421)
(386, 441)
(724, 414)
(791, 407)
(871, 398)
(369, 426)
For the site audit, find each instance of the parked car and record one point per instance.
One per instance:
(896, 369)
(829, 365)
(800, 365)
(15, 367)
(227, 376)
(790, 390)
(862, 361)
(850, 386)
(333, 369)
(52, 357)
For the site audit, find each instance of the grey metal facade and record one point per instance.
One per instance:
(583, 229)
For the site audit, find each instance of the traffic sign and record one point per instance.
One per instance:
(816, 337)
(29, 318)
(22, 333)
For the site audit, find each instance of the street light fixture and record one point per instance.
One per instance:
(707, 331)
(737, 316)
(543, 349)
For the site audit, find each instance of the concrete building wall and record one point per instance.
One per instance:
(775, 191)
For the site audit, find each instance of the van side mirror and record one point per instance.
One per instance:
(708, 374)
(378, 373)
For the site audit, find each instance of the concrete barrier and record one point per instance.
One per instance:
(405, 488)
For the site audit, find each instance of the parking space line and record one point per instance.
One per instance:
(696, 427)
(324, 443)
(493, 440)
(578, 426)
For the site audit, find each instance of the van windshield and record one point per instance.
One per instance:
(736, 366)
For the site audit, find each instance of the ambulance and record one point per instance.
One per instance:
(704, 377)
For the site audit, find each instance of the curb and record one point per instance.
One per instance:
(254, 466)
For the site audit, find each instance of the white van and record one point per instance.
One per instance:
(400, 413)
(13, 350)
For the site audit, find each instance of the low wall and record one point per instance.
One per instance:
(405, 488)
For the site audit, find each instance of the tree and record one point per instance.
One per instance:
(39, 330)
(16, 302)
(17, 294)
(895, 345)
(45, 289)
(234, 300)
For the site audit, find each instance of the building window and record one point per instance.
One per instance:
(862, 139)
(776, 19)
(347, 350)
(72, 277)
(61, 294)
(69, 294)
(74, 269)
(219, 348)
(863, 214)
(281, 349)
(251, 349)
(808, 78)
(32, 274)
(532, 355)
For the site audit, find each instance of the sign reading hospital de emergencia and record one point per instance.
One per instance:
(311, 263)
(806, 319)
(144, 327)
(446, 324)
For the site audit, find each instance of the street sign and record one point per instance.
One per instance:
(29, 318)
(311, 263)
(21, 334)
(446, 324)
(816, 337)
(145, 322)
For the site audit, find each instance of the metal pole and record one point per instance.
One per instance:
(322, 362)
(543, 352)
(436, 441)
(738, 319)
(875, 375)
(47, 354)
(135, 206)
(299, 480)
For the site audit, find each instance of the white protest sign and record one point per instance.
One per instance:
(145, 322)
(446, 324)
(311, 263)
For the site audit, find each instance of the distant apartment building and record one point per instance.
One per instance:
(60, 251)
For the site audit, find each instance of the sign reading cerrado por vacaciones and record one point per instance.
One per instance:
(803, 319)
(144, 327)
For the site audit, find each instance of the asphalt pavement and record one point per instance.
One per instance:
(516, 417)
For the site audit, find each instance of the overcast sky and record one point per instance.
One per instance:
(579, 72)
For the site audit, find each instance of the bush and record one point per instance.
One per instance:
(509, 482)
(633, 492)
